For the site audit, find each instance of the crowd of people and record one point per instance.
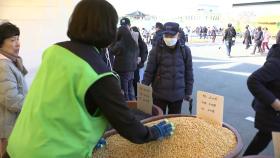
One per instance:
(258, 37)
(68, 106)
(186, 31)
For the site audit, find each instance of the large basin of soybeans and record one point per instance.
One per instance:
(192, 138)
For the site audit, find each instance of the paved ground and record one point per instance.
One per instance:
(216, 73)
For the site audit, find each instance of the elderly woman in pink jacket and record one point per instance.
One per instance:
(13, 87)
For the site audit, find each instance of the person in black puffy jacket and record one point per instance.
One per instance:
(169, 71)
(264, 84)
(126, 51)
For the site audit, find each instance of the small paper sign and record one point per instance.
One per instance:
(210, 107)
(276, 143)
(144, 98)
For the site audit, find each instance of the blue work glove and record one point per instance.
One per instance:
(101, 143)
(163, 129)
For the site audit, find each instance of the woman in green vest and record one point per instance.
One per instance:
(74, 95)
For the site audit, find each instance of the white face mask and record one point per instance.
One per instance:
(170, 41)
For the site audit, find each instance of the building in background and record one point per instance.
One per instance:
(258, 13)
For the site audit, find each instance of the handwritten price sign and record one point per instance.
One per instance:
(210, 107)
(276, 143)
(144, 98)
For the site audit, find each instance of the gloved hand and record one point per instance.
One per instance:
(163, 129)
(101, 143)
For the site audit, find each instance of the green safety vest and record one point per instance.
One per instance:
(54, 122)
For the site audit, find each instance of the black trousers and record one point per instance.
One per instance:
(136, 80)
(257, 45)
(173, 107)
(247, 45)
(259, 143)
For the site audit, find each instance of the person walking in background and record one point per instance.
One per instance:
(204, 31)
(229, 38)
(74, 94)
(158, 34)
(209, 30)
(258, 40)
(126, 51)
(142, 56)
(266, 37)
(247, 37)
(200, 32)
(169, 71)
(182, 35)
(213, 34)
(13, 87)
(187, 33)
(145, 35)
(265, 87)
(253, 33)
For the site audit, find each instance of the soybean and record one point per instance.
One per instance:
(193, 138)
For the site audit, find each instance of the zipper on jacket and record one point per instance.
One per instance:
(174, 68)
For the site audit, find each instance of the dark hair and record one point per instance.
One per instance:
(229, 25)
(159, 25)
(8, 30)
(93, 22)
(135, 29)
(259, 28)
(125, 21)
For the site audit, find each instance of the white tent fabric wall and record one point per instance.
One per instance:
(41, 22)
